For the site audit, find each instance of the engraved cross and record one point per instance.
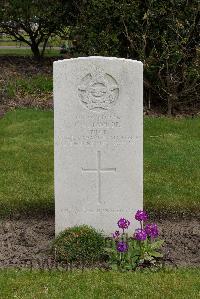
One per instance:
(99, 171)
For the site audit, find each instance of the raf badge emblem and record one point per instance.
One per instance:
(98, 91)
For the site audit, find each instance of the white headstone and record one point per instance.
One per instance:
(98, 106)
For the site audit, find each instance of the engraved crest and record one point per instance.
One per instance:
(98, 91)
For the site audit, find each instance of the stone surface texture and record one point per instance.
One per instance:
(98, 126)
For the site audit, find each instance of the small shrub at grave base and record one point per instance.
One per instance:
(79, 244)
(136, 252)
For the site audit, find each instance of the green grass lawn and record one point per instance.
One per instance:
(171, 163)
(7, 40)
(178, 284)
(26, 159)
(27, 52)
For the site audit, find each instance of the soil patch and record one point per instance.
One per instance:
(27, 65)
(27, 242)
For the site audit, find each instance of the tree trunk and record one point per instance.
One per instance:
(171, 102)
(36, 51)
(44, 46)
(169, 106)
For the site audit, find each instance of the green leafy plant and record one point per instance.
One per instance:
(21, 86)
(82, 244)
(142, 250)
(164, 35)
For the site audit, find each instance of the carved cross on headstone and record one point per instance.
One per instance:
(99, 171)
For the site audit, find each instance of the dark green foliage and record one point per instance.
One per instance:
(164, 35)
(82, 244)
(34, 22)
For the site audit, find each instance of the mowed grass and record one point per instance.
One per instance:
(178, 284)
(171, 163)
(27, 52)
(26, 162)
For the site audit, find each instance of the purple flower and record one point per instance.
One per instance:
(152, 230)
(116, 234)
(123, 223)
(140, 234)
(122, 246)
(141, 215)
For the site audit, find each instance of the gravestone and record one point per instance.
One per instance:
(98, 120)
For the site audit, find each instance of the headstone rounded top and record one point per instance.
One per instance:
(98, 58)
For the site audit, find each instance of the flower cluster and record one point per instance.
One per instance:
(122, 246)
(116, 234)
(139, 250)
(123, 223)
(141, 215)
(150, 230)
(141, 234)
